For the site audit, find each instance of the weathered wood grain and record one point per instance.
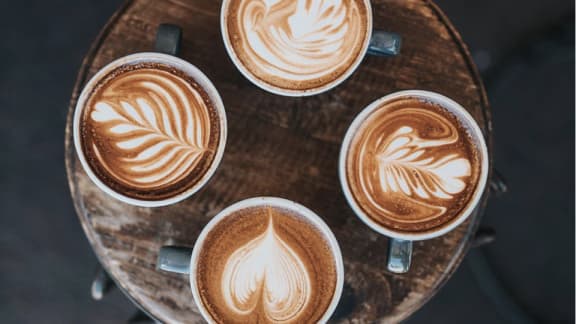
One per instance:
(278, 146)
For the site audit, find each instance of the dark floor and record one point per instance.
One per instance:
(46, 264)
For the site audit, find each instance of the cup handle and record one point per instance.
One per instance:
(168, 37)
(399, 255)
(384, 43)
(174, 259)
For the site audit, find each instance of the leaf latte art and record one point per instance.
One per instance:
(401, 168)
(412, 166)
(266, 264)
(268, 272)
(297, 44)
(149, 130)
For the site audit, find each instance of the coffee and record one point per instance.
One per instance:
(264, 263)
(149, 130)
(413, 166)
(294, 47)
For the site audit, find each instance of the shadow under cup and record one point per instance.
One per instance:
(413, 166)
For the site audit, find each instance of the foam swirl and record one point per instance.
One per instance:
(157, 126)
(402, 168)
(266, 273)
(299, 40)
(412, 166)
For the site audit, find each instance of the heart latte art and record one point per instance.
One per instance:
(412, 166)
(271, 266)
(296, 44)
(266, 272)
(148, 131)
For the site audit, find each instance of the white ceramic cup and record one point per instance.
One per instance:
(166, 36)
(376, 42)
(184, 260)
(401, 244)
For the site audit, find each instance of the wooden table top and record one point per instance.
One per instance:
(278, 146)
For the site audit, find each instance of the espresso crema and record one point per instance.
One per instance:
(297, 45)
(149, 131)
(413, 166)
(266, 264)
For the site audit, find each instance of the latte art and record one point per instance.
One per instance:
(298, 39)
(402, 170)
(268, 272)
(405, 168)
(160, 142)
(266, 264)
(149, 131)
(297, 44)
(412, 166)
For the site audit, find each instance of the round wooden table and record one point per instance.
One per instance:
(278, 146)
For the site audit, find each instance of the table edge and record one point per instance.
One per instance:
(70, 158)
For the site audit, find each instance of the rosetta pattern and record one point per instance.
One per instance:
(300, 39)
(404, 170)
(412, 167)
(158, 124)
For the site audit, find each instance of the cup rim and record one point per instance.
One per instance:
(187, 68)
(276, 202)
(447, 104)
(288, 92)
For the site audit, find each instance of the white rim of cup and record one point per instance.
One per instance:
(275, 202)
(452, 107)
(180, 64)
(294, 93)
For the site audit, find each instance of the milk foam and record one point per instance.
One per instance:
(303, 42)
(439, 177)
(412, 166)
(157, 127)
(265, 264)
(269, 272)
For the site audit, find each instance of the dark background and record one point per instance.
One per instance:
(527, 57)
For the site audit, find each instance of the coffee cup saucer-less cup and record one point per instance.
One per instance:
(244, 251)
(171, 86)
(398, 142)
(298, 52)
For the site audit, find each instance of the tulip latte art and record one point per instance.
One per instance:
(149, 131)
(412, 166)
(297, 45)
(266, 264)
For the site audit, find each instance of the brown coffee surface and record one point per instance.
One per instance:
(413, 166)
(149, 131)
(297, 44)
(266, 265)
